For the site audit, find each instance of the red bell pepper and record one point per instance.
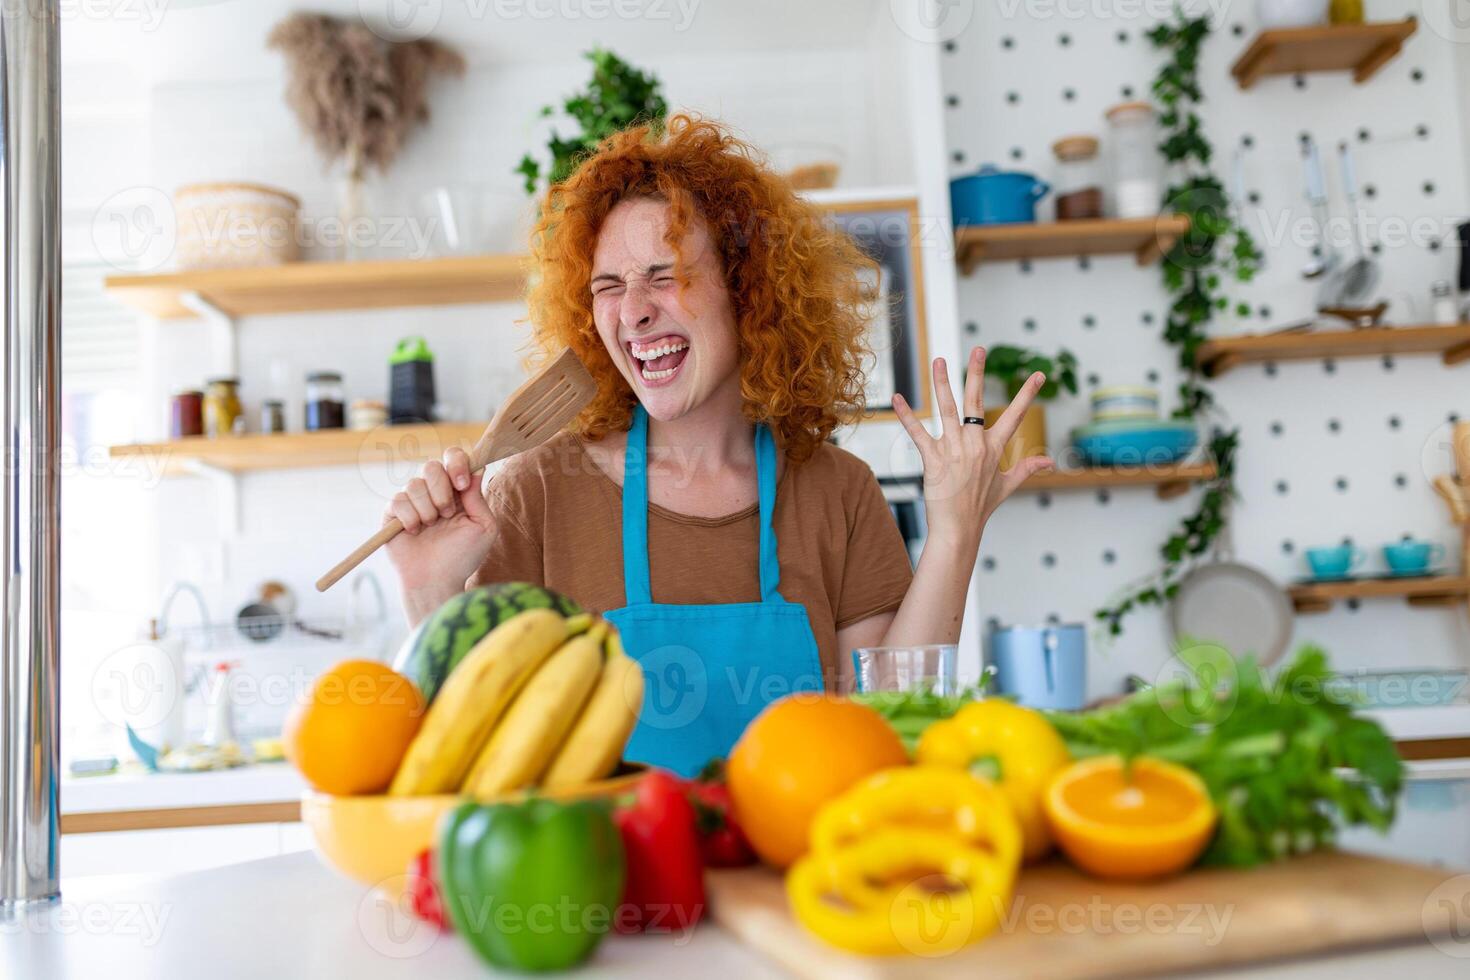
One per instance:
(423, 891)
(665, 883)
(721, 841)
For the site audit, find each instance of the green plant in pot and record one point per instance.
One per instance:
(617, 96)
(1012, 366)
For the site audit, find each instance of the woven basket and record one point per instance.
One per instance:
(235, 225)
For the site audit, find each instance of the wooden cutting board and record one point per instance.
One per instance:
(1062, 923)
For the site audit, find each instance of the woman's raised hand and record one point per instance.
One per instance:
(447, 530)
(963, 484)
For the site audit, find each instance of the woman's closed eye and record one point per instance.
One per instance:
(607, 287)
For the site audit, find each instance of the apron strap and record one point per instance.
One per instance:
(765, 475)
(636, 587)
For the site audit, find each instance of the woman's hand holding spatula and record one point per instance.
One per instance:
(447, 532)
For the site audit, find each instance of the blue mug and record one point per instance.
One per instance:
(1410, 557)
(1331, 563)
(1041, 667)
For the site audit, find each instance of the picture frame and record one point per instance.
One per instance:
(887, 231)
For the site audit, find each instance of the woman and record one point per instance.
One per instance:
(696, 502)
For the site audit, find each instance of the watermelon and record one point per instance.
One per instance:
(442, 640)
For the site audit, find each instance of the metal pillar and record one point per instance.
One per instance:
(30, 419)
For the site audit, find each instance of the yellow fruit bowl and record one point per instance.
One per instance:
(372, 839)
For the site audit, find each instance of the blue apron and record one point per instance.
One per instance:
(707, 670)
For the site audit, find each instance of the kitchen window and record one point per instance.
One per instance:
(107, 549)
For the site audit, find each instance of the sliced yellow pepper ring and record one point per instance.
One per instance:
(937, 798)
(901, 891)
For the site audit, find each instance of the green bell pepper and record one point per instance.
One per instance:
(534, 885)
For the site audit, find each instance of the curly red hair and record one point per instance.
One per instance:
(793, 277)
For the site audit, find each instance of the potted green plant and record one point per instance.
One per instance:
(1012, 365)
(617, 96)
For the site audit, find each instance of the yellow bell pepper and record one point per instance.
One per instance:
(935, 798)
(917, 859)
(1014, 746)
(901, 891)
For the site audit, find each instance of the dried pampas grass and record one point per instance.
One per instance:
(357, 95)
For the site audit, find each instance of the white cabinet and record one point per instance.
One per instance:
(177, 850)
(1433, 823)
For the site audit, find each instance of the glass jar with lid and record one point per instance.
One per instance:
(1078, 181)
(1137, 172)
(326, 406)
(223, 415)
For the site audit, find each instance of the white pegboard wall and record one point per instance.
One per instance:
(1328, 450)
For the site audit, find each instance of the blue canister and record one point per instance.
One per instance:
(1041, 667)
(995, 197)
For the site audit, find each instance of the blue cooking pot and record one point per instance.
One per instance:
(1041, 667)
(995, 197)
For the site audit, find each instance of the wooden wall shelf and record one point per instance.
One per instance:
(317, 286)
(300, 450)
(1220, 354)
(1359, 48)
(1441, 590)
(1167, 481)
(1145, 238)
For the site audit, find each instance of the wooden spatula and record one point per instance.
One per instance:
(533, 413)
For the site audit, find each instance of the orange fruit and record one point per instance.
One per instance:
(1151, 819)
(349, 733)
(800, 752)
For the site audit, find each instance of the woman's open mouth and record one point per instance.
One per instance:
(659, 359)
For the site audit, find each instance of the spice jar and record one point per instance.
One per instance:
(272, 415)
(325, 405)
(1078, 180)
(366, 414)
(187, 415)
(1137, 171)
(222, 413)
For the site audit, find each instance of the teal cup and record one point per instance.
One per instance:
(1337, 562)
(1409, 557)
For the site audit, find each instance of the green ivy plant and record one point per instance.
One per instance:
(1013, 365)
(618, 96)
(1215, 248)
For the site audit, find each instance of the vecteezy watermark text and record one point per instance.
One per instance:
(1148, 10)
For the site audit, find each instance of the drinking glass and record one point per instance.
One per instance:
(933, 668)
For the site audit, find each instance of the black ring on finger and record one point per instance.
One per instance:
(974, 420)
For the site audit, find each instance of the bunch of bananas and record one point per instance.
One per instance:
(542, 701)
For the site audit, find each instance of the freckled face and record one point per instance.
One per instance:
(676, 347)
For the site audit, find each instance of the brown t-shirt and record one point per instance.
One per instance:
(558, 520)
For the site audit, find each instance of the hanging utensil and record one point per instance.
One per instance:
(1324, 258)
(537, 410)
(1238, 199)
(1358, 278)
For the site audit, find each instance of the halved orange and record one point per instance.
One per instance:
(1141, 820)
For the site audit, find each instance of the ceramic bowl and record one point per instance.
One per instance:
(1125, 402)
(1135, 442)
(372, 839)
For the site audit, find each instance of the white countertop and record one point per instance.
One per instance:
(267, 782)
(290, 917)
